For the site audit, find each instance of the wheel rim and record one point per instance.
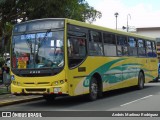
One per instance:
(94, 90)
(141, 84)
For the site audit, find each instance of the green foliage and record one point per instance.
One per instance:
(2, 61)
(13, 10)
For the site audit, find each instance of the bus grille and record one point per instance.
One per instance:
(37, 84)
(36, 90)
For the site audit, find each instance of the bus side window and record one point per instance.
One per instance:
(154, 54)
(149, 48)
(141, 48)
(95, 44)
(109, 44)
(122, 46)
(132, 50)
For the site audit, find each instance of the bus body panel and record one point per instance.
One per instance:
(116, 72)
(40, 85)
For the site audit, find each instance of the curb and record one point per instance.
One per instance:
(11, 102)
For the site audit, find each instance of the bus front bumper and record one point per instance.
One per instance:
(20, 90)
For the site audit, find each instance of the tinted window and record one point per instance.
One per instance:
(95, 44)
(149, 48)
(109, 38)
(132, 42)
(141, 48)
(122, 45)
(109, 44)
(154, 49)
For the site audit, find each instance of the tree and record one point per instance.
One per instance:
(13, 10)
(73, 9)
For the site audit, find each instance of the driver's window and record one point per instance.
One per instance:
(76, 51)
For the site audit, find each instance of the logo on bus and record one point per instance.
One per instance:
(34, 72)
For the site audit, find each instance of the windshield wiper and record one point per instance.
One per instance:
(44, 38)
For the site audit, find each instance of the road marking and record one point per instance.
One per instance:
(136, 100)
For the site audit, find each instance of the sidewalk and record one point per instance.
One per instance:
(8, 99)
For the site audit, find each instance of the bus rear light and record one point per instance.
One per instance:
(59, 92)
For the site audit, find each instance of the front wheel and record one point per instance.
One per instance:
(140, 81)
(93, 89)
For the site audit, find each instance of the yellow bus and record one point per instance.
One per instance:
(54, 57)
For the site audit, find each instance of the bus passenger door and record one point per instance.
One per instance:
(76, 69)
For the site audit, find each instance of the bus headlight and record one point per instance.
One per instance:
(56, 82)
(61, 81)
(56, 90)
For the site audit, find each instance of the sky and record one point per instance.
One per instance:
(140, 13)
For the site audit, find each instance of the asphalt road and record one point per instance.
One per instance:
(128, 99)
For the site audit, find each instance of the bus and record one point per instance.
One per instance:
(63, 57)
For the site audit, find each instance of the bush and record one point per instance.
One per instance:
(2, 61)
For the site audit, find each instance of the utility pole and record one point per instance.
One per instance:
(127, 21)
(116, 15)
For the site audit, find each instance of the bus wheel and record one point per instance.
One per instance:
(49, 98)
(93, 89)
(140, 81)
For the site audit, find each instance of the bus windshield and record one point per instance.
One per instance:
(38, 50)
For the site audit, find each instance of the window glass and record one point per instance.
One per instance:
(132, 46)
(122, 45)
(119, 50)
(132, 42)
(154, 54)
(95, 49)
(39, 50)
(153, 45)
(121, 40)
(109, 44)
(95, 44)
(109, 38)
(149, 48)
(140, 43)
(76, 51)
(77, 47)
(95, 36)
(141, 48)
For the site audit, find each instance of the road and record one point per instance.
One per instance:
(129, 99)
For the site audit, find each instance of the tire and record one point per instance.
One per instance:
(140, 81)
(93, 89)
(49, 98)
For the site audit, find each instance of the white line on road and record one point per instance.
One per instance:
(136, 100)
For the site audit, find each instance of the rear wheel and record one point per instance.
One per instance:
(140, 81)
(93, 89)
(49, 98)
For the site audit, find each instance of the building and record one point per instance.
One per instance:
(153, 32)
(149, 31)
